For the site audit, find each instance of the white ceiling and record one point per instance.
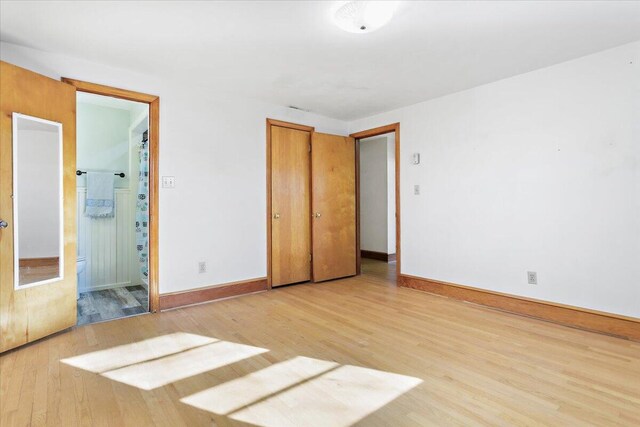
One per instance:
(290, 53)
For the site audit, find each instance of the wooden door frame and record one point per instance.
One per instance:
(154, 156)
(381, 130)
(279, 123)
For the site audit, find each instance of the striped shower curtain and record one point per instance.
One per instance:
(142, 212)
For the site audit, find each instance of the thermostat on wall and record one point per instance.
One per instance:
(416, 158)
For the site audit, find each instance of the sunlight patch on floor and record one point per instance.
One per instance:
(298, 392)
(163, 371)
(340, 397)
(238, 393)
(137, 352)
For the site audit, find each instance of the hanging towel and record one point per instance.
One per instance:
(100, 195)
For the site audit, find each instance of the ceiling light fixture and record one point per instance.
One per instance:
(364, 16)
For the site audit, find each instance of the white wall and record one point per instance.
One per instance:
(215, 147)
(391, 193)
(377, 194)
(537, 172)
(107, 244)
(102, 138)
(38, 194)
(373, 194)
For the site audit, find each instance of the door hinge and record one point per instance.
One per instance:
(309, 147)
(310, 257)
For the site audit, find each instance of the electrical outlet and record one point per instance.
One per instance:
(202, 267)
(532, 277)
(416, 190)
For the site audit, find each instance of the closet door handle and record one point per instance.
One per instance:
(3, 223)
(317, 215)
(276, 216)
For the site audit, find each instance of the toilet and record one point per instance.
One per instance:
(81, 264)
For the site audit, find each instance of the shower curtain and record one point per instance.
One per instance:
(142, 212)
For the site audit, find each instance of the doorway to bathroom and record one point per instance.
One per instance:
(39, 210)
(115, 203)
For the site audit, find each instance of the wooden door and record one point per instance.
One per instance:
(290, 206)
(43, 299)
(333, 206)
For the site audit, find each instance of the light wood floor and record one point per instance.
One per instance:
(428, 360)
(37, 274)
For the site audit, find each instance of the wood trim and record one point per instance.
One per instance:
(381, 130)
(154, 172)
(110, 91)
(269, 208)
(398, 221)
(380, 256)
(581, 318)
(154, 205)
(272, 122)
(39, 262)
(313, 278)
(358, 251)
(212, 293)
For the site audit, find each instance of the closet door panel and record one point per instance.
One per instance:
(290, 206)
(333, 206)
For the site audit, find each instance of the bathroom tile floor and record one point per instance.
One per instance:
(106, 304)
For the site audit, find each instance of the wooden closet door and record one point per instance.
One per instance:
(333, 177)
(46, 302)
(290, 206)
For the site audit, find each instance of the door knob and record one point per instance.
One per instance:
(276, 216)
(317, 215)
(3, 223)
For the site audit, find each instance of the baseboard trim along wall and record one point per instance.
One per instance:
(212, 293)
(591, 320)
(380, 256)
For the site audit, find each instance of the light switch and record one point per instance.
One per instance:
(168, 182)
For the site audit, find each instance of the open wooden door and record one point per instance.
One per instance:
(333, 177)
(37, 206)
